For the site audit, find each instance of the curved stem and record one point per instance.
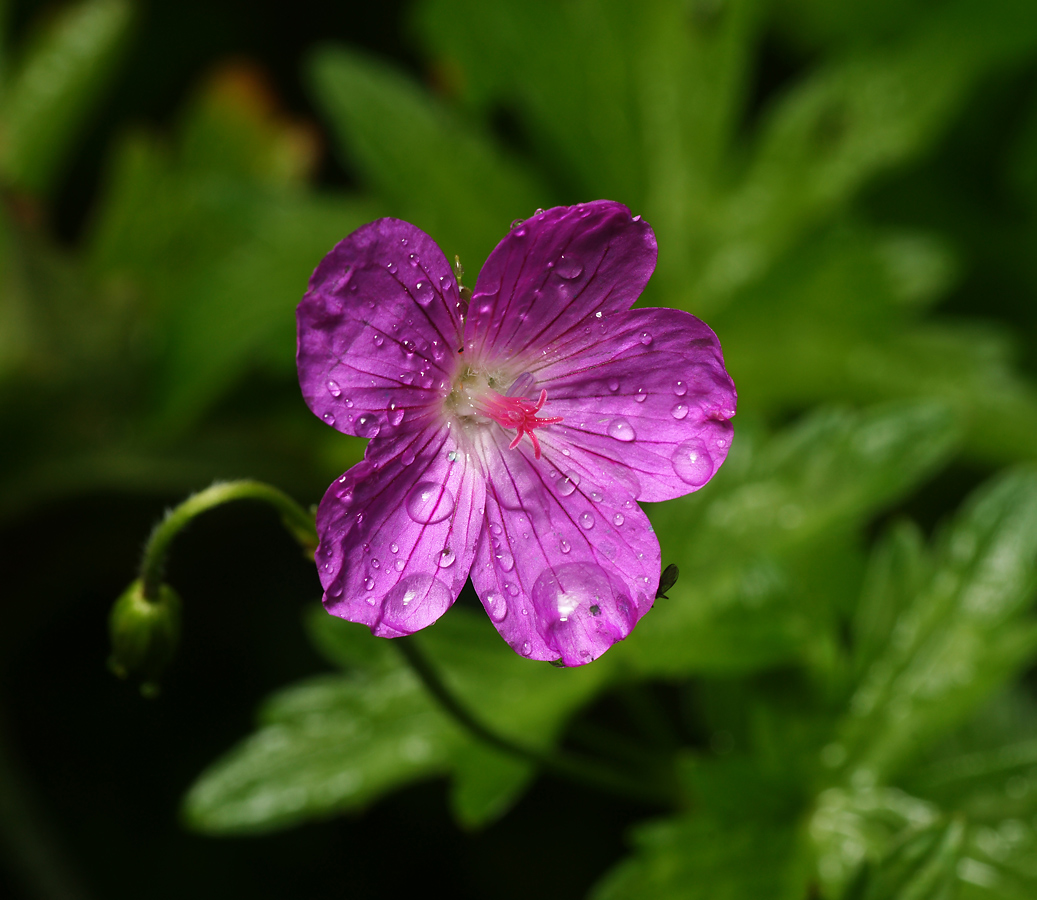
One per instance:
(576, 768)
(297, 520)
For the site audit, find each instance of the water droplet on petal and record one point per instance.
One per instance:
(495, 528)
(645, 338)
(679, 411)
(392, 267)
(505, 560)
(568, 484)
(428, 503)
(423, 292)
(369, 583)
(587, 521)
(641, 395)
(329, 418)
(496, 607)
(399, 565)
(621, 430)
(407, 457)
(618, 519)
(452, 456)
(566, 547)
(680, 388)
(368, 426)
(446, 558)
(596, 497)
(378, 340)
(396, 414)
(613, 384)
(692, 462)
(527, 647)
(511, 589)
(394, 547)
(416, 601)
(375, 563)
(568, 267)
(334, 389)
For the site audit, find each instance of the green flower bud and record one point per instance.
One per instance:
(144, 634)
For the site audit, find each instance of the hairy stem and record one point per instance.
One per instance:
(575, 768)
(297, 520)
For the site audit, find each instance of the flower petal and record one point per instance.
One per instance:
(398, 532)
(379, 330)
(651, 396)
(568, 562)
(549, 277)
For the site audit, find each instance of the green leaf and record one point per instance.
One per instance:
(487, 783)
(433, 168)
(60, 76)
(762, 546)
(965, 633)
(695, 857)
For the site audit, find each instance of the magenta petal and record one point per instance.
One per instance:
(398, 533)
(651, 396)
(379, 330)
(551, 275)
(567, 562)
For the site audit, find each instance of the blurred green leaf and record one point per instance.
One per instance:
(47, 97)
(433, 168)
(337, 743)
(694, 857)
(963, 635)
(746, 544)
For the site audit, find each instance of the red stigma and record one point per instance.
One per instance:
(519, 413)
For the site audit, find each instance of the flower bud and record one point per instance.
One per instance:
(144, 634)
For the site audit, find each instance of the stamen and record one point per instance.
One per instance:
(519, 413)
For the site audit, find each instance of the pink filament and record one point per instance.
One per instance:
(519, 413)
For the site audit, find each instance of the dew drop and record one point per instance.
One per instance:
(329, 418)
(368, 426)
(396, 414)
(496, 607)
(568, 267)
(618, 519)
(452, 456)
(645, 338)
(423, 292)
(376, 563)
(446, 558)
(394, 547)
(641, 395)
(587, 521)
(369, 583)
(378, 340)
(495, 528)
(680, 388)
(334, 389)
(566, 547)
(407, 457)
(621, 430)
(392, 267)
(428, 503)
(505, 560)
(511, 589)
(596, 497)
(527, 647)
(679, 411)
(692, 462)
(416, 601)
(568, 484)
(398, 565)
(613, 385)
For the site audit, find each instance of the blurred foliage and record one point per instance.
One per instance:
(854, 724)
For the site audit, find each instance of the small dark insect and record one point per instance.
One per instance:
(666, 581)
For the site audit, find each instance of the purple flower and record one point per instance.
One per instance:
(510, 439)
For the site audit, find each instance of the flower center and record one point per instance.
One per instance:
(473, 396)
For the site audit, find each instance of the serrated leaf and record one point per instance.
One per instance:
(46, 99)
(431, 167)
(962, 636)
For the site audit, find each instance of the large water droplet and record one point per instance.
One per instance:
(679, 411)
(446, 557)
(568, 267)
(680, 388)
(621, 430)
(329, 418)
(396, 414)
(369, 583)
(417, 601)
(334, 389)
(587, 521)
(646, 338)
(496, 607)
(423, 292)
(368, 426)
(428, 503)
(692, 462)
(568, 484)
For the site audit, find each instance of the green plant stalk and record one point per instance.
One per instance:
(574, 768)
(297, 520)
